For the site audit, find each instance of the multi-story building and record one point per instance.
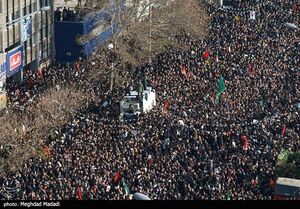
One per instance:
(26, 34)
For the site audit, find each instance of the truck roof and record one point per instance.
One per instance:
(130, 97)
(288, 182)
(287, 186)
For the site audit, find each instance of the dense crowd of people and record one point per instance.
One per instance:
(189, 146)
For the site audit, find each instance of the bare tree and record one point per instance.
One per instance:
(23, 137)
(147, 29)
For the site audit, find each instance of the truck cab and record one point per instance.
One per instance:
(134, 104)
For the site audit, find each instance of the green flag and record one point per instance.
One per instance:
(282, 157)
(258, 182)
(127, 191)
(228, 195)
(222, 88)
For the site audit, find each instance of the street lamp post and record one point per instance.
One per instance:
(111, 47)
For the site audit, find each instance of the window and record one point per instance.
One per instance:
(17, 33)
(14, 33)
(29, 9)
(24, 11)
(34, 7)
(13, 10)
(7, 37)
(8, 10)
(11, 35)
(17, 14)
(44, 3)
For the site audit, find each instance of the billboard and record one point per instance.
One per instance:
(14, 60)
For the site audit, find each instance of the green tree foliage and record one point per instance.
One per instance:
(288, 165)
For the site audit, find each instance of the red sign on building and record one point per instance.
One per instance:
(15, 61)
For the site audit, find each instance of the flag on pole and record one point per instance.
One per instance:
(117, 176)
(206, 54)
(47, 151)
(256, 182)
(222, 88)
(79, 193)
(245, 143)
(126, 188)
(283, 130)
(166, 105)
(183, 70)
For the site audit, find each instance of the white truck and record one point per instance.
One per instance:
(133, 104)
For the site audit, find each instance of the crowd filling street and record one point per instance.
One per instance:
(191, 145)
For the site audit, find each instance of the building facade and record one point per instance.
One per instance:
(26, 28)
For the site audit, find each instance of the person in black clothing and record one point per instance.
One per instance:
(64, 14)
(57, 15)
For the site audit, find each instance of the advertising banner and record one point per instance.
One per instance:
(14, 60)
(27, 28)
